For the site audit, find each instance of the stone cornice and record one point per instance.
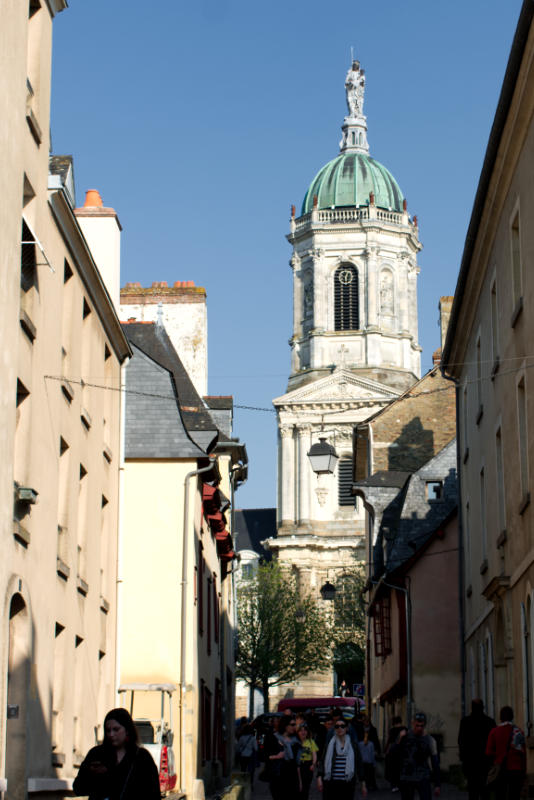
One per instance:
(306, 541)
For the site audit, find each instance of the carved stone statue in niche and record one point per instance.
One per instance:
(386, 293)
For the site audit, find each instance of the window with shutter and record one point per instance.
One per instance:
(344, 477)
(346, 298)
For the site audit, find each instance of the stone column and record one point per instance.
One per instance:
(287, 469)
(372, 291)
(305, 472)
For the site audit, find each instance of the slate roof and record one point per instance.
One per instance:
(152, 339)
(409, 517)
(420, 517)
(153, 425)
(251, 527)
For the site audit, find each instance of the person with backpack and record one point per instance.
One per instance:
(247, 750)
(418, 762)
(506, 748)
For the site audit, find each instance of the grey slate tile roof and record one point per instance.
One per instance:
(152, 339)
(252, 526)
(153, 425)
(409, 517)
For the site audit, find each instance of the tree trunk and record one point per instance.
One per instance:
(251, 690)
(265, 692)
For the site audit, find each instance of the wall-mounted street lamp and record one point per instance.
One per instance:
(328, 591)
(323, 457)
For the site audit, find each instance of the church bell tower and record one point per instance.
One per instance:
(354, 344)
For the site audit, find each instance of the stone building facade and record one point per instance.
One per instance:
(488, 352)
(60, 437)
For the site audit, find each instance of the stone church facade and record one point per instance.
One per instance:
(354, 347)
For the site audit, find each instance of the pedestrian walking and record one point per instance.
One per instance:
(247, 751)
(472, 741)
(118, 769)
(367, 752)
(281, 749)
(342, 766)
(307, 760)
(418, 764)
(392, 762)
(506, 748)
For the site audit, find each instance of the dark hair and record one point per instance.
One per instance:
(397, 720)
(506, 714)
(283, 722)
(123, 717)
(420, 716)
(246, 730)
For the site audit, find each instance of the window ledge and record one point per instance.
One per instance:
(502, 539)
(27, 326)
(68, 391)
(62, 569)
(86, 419)
(50, 784)
(484, 567)
(480, 413)
(495, 368)
(469, 590)
(525, 502)
(34, 126)
(82, 586)
(104, 604)
(466, 455)
(516, 313)
(108, 455)
(21, 534)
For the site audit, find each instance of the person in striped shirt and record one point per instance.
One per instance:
(342, 766)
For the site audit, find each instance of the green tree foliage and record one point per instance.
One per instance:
(349, 617)
(283, 633)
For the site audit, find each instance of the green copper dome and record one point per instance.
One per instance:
(347, 181)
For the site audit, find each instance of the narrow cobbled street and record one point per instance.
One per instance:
(448, 792)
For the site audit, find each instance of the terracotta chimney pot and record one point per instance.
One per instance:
(93, 199)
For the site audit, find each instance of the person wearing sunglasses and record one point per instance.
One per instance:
(342, 766)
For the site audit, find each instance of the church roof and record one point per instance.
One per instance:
(348, 179)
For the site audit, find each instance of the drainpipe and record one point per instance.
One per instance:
(120, 533)
(183, 615)
(461, 550)
(408, 613)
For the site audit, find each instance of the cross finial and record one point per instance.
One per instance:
(343, 350)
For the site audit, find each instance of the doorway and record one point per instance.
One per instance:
(18, 678)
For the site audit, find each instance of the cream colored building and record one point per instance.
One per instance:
(60, 439)
(176, 575)
(489, 353)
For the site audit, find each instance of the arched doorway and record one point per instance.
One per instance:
(18, 678)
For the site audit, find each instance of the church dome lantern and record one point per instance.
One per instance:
(349, 179)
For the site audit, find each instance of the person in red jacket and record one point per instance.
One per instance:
(506, 746)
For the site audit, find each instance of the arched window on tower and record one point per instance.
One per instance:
(346, 299)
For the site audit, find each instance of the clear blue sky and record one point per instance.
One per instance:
(201, 122)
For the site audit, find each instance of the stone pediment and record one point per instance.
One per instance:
(341, 386)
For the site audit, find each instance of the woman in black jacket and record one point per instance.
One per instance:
(118, 769)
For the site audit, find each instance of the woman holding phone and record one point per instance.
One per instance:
(118, 769)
